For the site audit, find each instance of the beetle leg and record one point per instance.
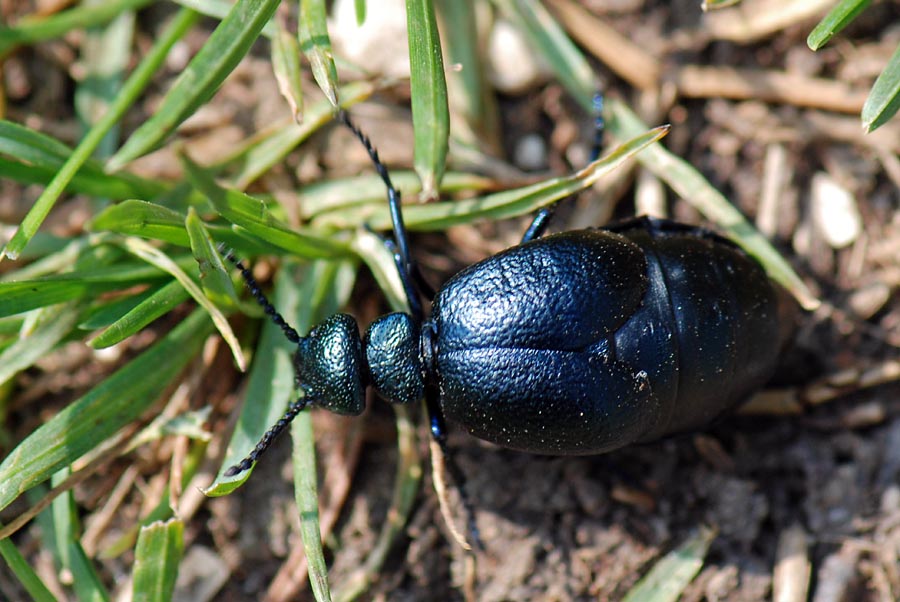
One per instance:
(542, 219)
(442, 458)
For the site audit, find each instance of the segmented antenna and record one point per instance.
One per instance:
(260, 297)
(393, 195)
(268, 437)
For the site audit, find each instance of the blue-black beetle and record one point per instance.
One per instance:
(575, 343)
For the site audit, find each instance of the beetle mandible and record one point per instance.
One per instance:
(574, 343)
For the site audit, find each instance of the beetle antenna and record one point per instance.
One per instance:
(260, 297)
(400, 247)
(268, 437)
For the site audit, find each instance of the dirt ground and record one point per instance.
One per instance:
(821, 480)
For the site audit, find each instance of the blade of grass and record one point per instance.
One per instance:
(693, 187)
(250, 213)
(105, 55)
(431, 115)
(884, 99)
(286, 65)
(332, 195)
(312, 33)
(218, 9)
(471, 98)
(502, 205)
(115, 187)
(214, 277)
(117, 401)
(54, 324)
(144, 219)
(837, 19)
(88, 584)
(36, 29)
(77, 158)
(159, 549)
(158, 304)
(201, 78)
(25, 574)
(104, 312)
(269, 148)
(554, 46)
(670, 576)
(306, 494)
(19, 297)
(157, 258)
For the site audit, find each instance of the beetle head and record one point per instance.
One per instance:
(392, 352)
(329, 366)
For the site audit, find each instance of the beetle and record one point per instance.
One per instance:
(574, 343)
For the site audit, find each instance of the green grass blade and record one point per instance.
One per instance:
(693, 187)
(884, 99)
(31, 146)
(553, 45)
(74, 161)
(105, 57)
(271, 148)
(218, 9)
(22, 296)
(112, 404)
(708, 5)
(502, 205)
(102, 313)
(144, 219)
(24, 573)
(214, 277)
(670, 576)
(159, 549)
(53, 326)
(39, 157)
(431, 115)
(36, 29)
(95, 185)
(201, 78)
(338, 194)
(837, 19)
(286, 65)
(250, 213)
(306, 494)
(159, 303)
(316, 45)
(157, 258)
(87, 583)
(471, 97)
